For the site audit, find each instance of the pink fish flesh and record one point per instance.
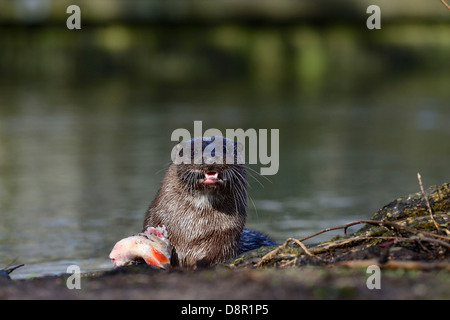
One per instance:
(152, 246)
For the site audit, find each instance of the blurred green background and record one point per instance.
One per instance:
(86, 115)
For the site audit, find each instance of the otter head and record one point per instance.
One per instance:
(211, 165)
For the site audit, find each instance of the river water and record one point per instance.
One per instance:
(80, 165)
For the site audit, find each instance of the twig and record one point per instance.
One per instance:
(349, 224)
(386, 224)
(301, 245)
(11, 269)
(273, 253)
(439, 242)
(445, 4)
(326, 230)
(427, 202)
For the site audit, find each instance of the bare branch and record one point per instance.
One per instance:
(428, 203)
(445, 4)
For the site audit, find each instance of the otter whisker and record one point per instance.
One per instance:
(163, 168)
(240, 177)
(254, 206)
(257, 173)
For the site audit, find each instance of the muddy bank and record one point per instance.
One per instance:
(224, 283)
(409, 244)
(410, 232)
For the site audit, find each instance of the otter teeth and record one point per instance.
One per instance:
(211, 177)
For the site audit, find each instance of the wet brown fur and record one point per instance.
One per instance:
(204, 223)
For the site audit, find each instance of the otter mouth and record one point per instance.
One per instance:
(211, 178)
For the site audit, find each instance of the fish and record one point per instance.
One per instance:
(152, 246)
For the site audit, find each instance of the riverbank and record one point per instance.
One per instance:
(410, 255)
(223, 283)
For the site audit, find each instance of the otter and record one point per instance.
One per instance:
(202, 203)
